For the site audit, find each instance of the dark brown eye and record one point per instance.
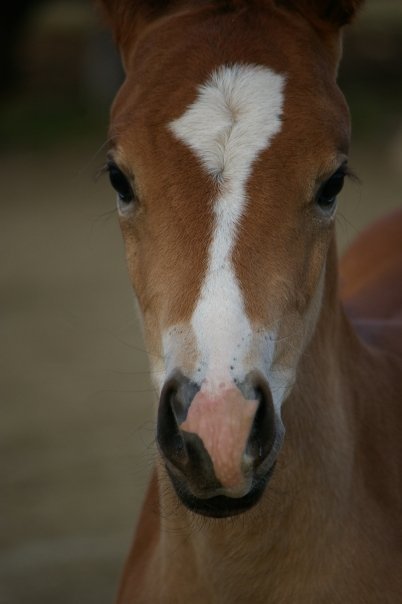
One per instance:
(120, 184)
(326, 196)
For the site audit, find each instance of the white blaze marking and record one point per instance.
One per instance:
(234, 118)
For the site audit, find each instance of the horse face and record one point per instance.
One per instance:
(227, 167)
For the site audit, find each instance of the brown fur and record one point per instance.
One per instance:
(371, 268)
(328, 528)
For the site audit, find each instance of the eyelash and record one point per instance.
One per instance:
(330, 189)
(121, 184)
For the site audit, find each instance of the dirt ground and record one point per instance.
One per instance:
(77, 429)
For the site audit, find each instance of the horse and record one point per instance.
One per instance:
(278, 475)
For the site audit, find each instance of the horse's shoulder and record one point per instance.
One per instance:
(371, 271)
(385, 335)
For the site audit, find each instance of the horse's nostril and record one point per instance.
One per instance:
(177, 404)
(175, 400)
(169, 437)
(262, 435)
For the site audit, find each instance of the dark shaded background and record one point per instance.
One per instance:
(76, 427)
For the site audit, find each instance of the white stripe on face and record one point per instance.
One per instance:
(235, 117)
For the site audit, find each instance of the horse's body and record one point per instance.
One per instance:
(321, 502)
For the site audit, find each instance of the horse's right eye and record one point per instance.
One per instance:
(120, 184)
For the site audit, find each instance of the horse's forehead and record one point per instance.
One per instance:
(235, 115)
(162, 77)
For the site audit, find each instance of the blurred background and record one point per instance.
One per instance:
(76, 427)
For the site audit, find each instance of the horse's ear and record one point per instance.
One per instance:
(332, 13)
(126, 18)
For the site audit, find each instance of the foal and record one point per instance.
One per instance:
(280, 418)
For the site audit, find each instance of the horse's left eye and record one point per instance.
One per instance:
(120, 184)
(326, 196)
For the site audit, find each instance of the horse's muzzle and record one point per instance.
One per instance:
(219, 447)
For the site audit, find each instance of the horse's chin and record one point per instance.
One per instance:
(221, 506)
